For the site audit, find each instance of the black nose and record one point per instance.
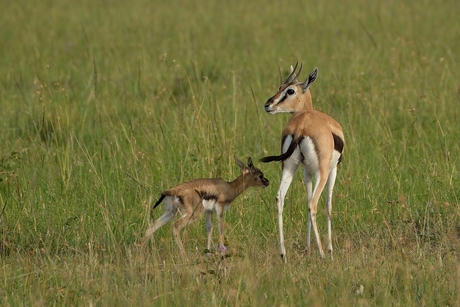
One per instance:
(266, 182)
(269, 101)
(267, 108)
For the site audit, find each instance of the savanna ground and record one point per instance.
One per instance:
(104, 103)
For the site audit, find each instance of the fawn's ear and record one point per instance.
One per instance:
(250, 165)
(239, 163)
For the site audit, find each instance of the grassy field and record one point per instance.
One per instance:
(105, 103)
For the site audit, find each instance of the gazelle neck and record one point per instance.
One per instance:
(305, 102)
(238, 185)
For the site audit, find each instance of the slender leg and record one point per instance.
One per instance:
(186, 219)
(320, 182)
(220, 224)
(330, 188)
(166, 217)
(209, 227)
(308, 187)
(286, 179)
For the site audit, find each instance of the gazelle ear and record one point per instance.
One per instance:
(239, 163)
(311, 78)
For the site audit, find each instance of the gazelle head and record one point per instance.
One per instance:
(292, 96)
(252, 176)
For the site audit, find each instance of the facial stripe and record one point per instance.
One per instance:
(282, 99)
(282, 94)
(285, 94)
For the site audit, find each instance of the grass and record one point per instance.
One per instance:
(103, 104)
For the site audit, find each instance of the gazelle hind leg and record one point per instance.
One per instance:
(186, 219)
(165, 218)
(320, 183)
(221, 226)
(330, 188)
(170, 212)
(209, 227)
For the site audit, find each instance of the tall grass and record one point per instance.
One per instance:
(103, 104)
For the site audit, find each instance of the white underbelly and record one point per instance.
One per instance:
(209, 204)
(213, 205)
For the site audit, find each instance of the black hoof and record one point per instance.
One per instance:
(283, 258)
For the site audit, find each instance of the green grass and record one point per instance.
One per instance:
(103, 104)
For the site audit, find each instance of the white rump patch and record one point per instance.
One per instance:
(294, 159)
(335, 158)
(310, 160)
(172, 203)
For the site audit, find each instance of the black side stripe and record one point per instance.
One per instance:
(286, 155)
(206, 196)
(338, 143)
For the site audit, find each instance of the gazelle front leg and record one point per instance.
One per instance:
(209, 228)
(286, 179)
(220, 224)
(280, 205)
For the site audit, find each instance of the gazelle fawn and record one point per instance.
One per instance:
(213, 195)
(310, 138)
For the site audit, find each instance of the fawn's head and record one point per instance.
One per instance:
(252, 176)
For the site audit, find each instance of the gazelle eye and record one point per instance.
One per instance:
(290, 91)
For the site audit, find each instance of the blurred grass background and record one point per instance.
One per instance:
(104, 103)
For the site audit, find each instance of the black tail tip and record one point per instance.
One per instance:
(159, 201)
(270, 159)
(264, 160)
